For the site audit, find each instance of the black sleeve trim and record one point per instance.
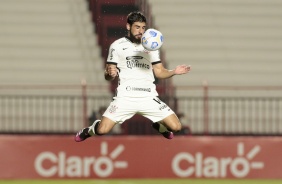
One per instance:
(111, 63)
(156, 62)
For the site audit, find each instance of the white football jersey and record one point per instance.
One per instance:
(134, 63)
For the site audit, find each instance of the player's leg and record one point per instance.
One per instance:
(164, 119)
(172, 123)
(103, 127)
(163, 130)
(167, 126)
(110, 118)
(99, 127)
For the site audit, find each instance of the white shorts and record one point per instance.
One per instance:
(121, 109)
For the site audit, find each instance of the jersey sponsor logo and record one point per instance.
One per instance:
(133, 57)
(133, 62)
(137, 64)
(163, 106)
(130, 88)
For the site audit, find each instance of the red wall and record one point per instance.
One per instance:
(140, 157)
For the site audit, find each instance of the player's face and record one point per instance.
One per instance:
(136, 31)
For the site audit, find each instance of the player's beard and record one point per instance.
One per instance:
(135, 38)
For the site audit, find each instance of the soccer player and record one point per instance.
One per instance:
(136, 92)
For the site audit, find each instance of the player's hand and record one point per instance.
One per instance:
(182, 69)
(112, 71)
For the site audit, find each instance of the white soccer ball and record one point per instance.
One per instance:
(152, 39)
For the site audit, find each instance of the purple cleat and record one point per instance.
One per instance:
(166, 133)
(82, 135)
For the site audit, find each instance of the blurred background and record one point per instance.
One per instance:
(53, 53)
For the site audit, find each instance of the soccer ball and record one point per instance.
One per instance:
(152, 39)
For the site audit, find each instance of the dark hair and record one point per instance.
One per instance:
(135, 17)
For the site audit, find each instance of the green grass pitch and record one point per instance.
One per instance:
(142, 181)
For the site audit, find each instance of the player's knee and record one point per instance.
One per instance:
(176, 127)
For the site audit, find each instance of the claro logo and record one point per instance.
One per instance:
(74, 166)
(212, 167)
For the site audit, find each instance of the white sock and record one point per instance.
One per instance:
(91, 130)
(162, 128)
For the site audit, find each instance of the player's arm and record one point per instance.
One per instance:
(110, 72)
(162, 73)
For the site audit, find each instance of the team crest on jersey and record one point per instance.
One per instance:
(113, 109)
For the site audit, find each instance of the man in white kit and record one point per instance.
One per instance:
(136, 92)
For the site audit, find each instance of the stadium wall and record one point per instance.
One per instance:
(59, 157)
